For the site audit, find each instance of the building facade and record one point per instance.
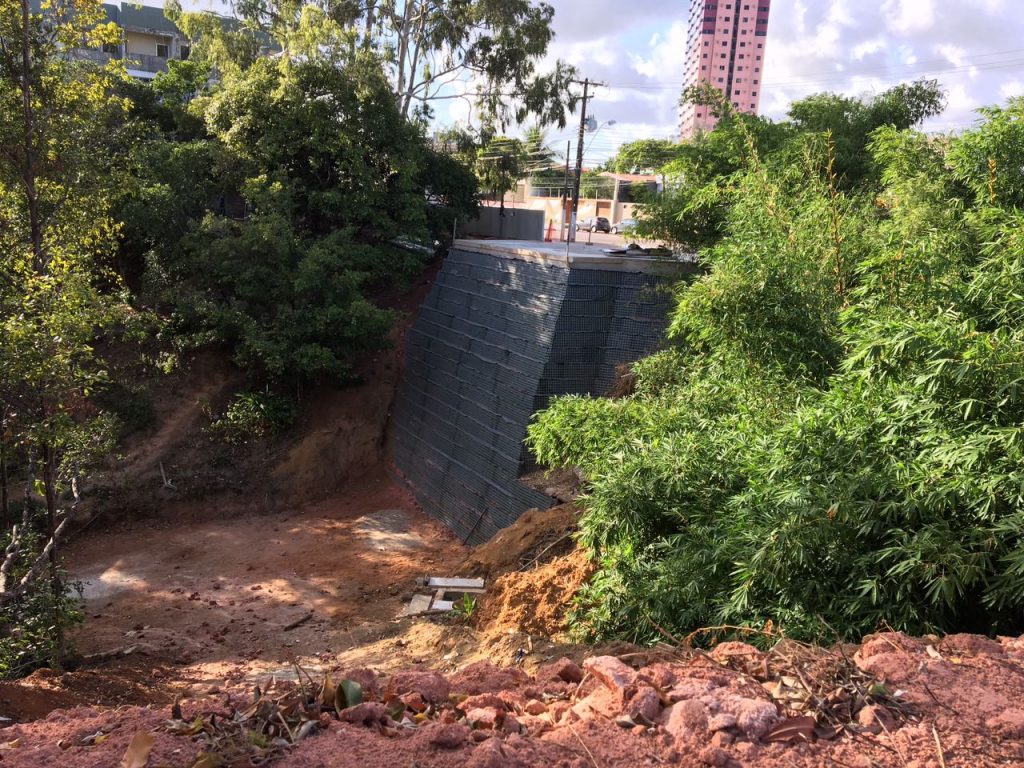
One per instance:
(725, 47)
(148, 40)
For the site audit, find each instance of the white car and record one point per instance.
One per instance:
(624, 227)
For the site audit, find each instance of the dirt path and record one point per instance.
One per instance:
(224, 590)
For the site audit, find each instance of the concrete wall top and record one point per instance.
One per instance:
(579, 256)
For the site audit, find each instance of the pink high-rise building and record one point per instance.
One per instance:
(725, 47)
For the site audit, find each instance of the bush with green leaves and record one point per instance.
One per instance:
(275, 233)
(252, 416)
(833, 440)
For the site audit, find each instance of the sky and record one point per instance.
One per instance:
(975, 48)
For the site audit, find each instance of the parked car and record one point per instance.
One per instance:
(624, 227)
(594, 224)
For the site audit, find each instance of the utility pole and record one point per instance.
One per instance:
(571, 234)
(565, 188)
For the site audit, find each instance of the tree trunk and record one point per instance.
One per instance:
(28, 169)
(57, 590)
(5, 504)
(368, 30)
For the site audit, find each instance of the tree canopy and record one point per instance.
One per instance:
(483, 52)
(830, 441)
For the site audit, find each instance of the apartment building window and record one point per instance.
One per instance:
(756, 82)
(186, 51)
(721, 79)
(161, 51)
(722, 55)
(112, 48)
(736, 93)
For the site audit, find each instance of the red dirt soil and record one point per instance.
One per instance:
(224, 590)
(959, 705)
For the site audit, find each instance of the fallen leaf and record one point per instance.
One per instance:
(137, 754)
(932, 652)
(792, 729)
(327, 692)
(348, 694)
(13, 744)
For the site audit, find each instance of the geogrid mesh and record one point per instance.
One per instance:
(495, 339)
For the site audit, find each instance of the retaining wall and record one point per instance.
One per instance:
(517, 224)
(504, 329)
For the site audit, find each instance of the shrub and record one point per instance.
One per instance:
(833, 442)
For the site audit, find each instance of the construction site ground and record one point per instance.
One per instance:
(228, 641)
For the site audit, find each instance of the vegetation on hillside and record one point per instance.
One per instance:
(264, 197)
(831, 441)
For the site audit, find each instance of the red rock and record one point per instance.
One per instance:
(447, 736)
(715, 756)
(482, 700)
(722, 739)
(876, 718)
(414, 702)
(510, 724)
(1007, 725)
(686, 721)
(602, 703)
(364, 714)
(754, 717)
(492, 754)
(690, 689)
(534, 707)
(721, 721)
(645, 705)
(483, 677)
(430, 685)
(612, 672)
(558, 709)
(487, 718)
(564, 669)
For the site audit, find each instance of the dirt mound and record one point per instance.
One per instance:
(534, 601)
(898, 702)
(131, 681)
(537, 536)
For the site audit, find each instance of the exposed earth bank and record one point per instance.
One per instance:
(892, 701)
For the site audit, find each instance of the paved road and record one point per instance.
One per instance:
(602, 240)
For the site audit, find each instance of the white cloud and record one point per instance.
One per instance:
(909, 16)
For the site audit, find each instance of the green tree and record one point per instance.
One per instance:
(434, 51)
(57, 119)
(700, 181)
(500, 164)
(831, 439)
(306, 195)
(644, 156)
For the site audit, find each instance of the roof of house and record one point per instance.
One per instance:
(141, 17)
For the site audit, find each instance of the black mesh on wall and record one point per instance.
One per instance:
(495, 339)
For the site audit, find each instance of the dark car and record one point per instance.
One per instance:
(594, 224)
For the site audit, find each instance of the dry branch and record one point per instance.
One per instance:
(9, 596)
